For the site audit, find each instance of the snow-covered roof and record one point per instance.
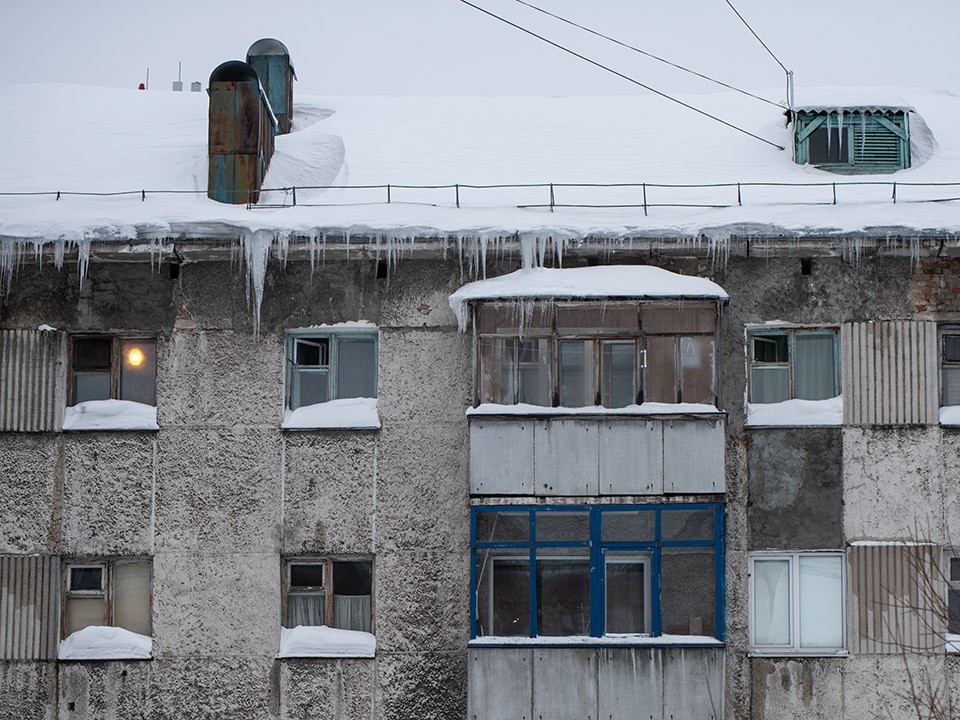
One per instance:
(852, 100)
(107, 140)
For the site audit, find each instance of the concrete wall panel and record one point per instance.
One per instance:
(631, 684)
(214, 688)
(500, 684)
(327, 689)
(108, 493)
(417, 293)
(94, 691)
(950, 454)
(31, 483)
(631, 457)
(29, 690)
(501, 456)
(422, 685)
(565, 684)
(693, 453)
(693, 683)
(566, 457)
(807, 689)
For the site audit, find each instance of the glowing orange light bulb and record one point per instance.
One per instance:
(135, 357)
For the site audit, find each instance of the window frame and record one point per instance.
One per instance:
(794, 648)
(116, 363)
(107, 567)
(334, 336)
(595, 548)
(943, 332)
(326, 562)
(791, 331)
(951, 587)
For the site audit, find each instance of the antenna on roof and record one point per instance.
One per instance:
(178, 83)
(789, 73)
(146, 85)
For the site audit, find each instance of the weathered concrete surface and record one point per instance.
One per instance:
(950, 452)
(108, 493)
(31, 487)
(416, 294)
(328, 494)
(797, 689)
(100, 690)
(327, 689)
(422, 685)
(795, 489)
(214, 688)
(28, 690)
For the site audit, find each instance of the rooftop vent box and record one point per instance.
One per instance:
(854, 139)
(271, 60)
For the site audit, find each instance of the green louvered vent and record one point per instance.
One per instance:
(872, 141)
(874, 144)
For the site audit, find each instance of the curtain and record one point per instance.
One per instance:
(352, 612)
(304, 609)
(771, 602)
(821, 602)
(813, 366)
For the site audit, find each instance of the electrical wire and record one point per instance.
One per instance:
(647, 54)
(757, 37)
(625, 77)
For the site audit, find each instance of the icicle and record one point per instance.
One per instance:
(83, 259)
(863, 131)
(256, 253)
(829, 133)
(840, 133)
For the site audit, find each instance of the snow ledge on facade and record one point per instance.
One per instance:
(950, 416)
(345, 414)
(953, 643)
(647, 408)
(796, 413)
(110, 415)
(321, 641)
(97, 642)
(612, 639)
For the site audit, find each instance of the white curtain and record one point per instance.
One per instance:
(771, 602)
(813, 366)
(351, 612)
(304, 609)
(821, 602)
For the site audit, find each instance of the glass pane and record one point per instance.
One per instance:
(686, 524)
(597, 318)
(534, 372)
(311, 353)
(352, 612)
(83, 612)
(769, 348)
(86, 578)
(516, 318)
(356, 368)
(627, 585)
(951, 385)
(813, 366)
(305, 609)
(771, 602)
(306, 575)
(697, 370)
(769, 384)
(131, 596)
(618, 373)
(954, 569)
(138, 371)
(951, 348)
(353, 577)
(660, 383)
(825, 147)
(563, 595)
(92, 353)
(687, 591)
(953, 608)
(576, 373)
(503, 526)
(628, 526)
(309, 387)
(677, 320)
(821, 602)
(90, 386)
(563, 525)
(496, 370)
(503, 592)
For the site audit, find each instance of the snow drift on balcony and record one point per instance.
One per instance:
(796, 413)
(320, 641)
(110, 415)
(348, 413)
(105, 643)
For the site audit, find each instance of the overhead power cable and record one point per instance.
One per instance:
(757, 37)
(645, 53)
(625, 77)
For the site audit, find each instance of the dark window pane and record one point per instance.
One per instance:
(951, 348)
(618, 373)
(687, 591)
(91, 386)
(563, 525)
(626, 579)
(770, 348)
(503, 526)
(92, 353)
(503, 592)
(306, 575)
(311, 353)
(354, 577)
(563, 596)
(954, 569)
(309, 388)
(953, 622)
(824, 147)
(686, 524)
(86, 578)
(138, 371)
(628, 526)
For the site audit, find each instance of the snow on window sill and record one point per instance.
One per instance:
(105, 643)
(628, 639)
(796, 413)
(345, 414)
(952, 643)
(788, 653)
(325, 642)
(647, 408)
(950, 415)
(110, 415)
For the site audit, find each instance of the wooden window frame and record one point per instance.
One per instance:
(107, 566)
(116, 361)
(326, 562)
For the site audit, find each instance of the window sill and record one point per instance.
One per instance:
(952, 646)
(615, 640)
(950, 416)
(325, 642)
(647, 409)
(346, 414)
(796, 413)
(110, 415)
(798, 653)
(99, 643)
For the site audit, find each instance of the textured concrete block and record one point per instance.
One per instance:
(425, 376)
(216, 605)
(92, 691)
(218, 490)
(108, 493)
(795, 489)
(422, 488)
(889, 685)
(801, 689)
(28, 690)
(500, 684)
(30, 484)
(413, 585)
(214, 688)
(950, 454)
(416, 294)
(327, 689)
(422, 685)
(328, 497)
(892, 484)
(220, 378)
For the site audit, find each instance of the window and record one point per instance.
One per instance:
(788, 364)
(797, 603)
(107, 592)
(323, 366)
(950, 365)
(826, 146)
(608, 354)
(953, 593)
(649, 570)
(333, 592)
(104, 368)
(853, 140)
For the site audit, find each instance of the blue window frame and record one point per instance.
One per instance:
(327, 365)
(595, 570)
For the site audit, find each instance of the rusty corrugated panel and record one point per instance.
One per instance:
(32, 380)
(890, 372)
(29, 607)
(894, 599)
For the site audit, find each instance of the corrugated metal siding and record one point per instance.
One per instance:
(890, 372)
(895, 595)
(29, 607)
(32, 380)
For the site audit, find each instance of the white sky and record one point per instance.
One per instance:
(443, 47)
